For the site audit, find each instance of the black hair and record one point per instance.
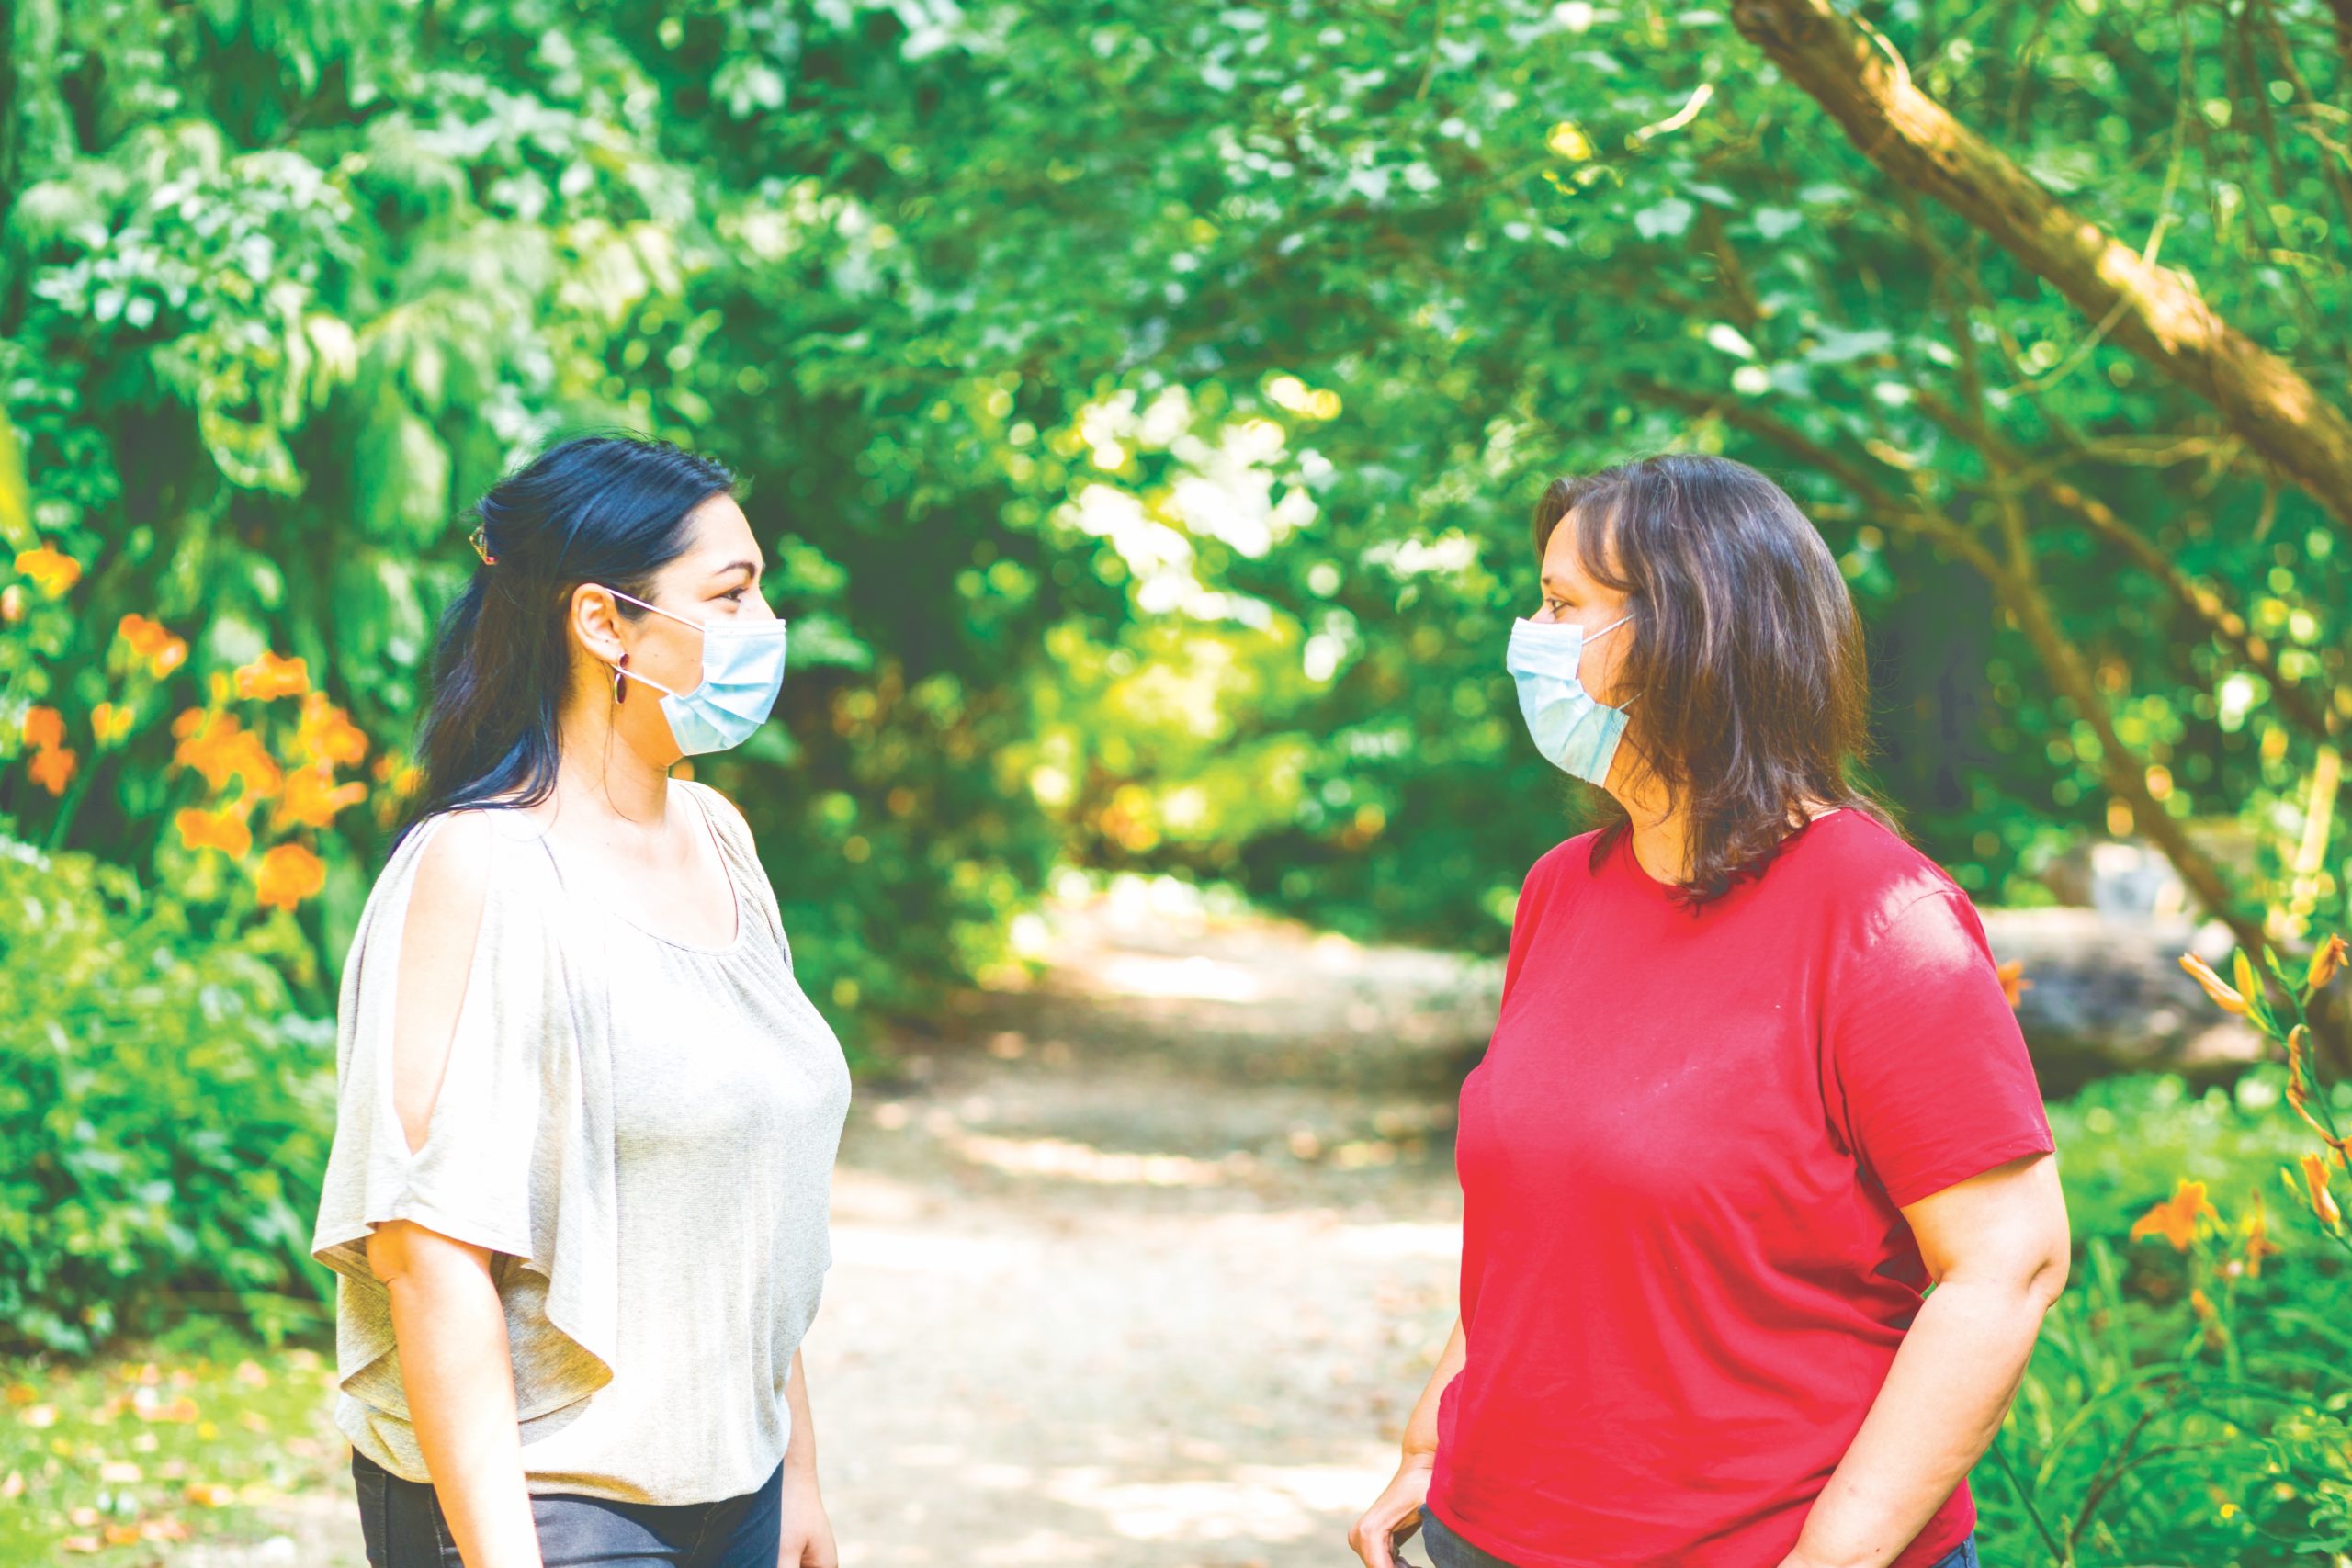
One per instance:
(604, 509)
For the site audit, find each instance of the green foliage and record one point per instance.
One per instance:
(1140, 404)
(164, 1113)
(2185, 1404)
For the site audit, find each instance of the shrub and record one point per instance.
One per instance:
(165, 1110)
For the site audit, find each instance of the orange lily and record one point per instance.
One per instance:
(215, 745)
(2257, 1241)
(152, 643)
(327, 734)
(2323, 1202)
(2299, 1092)
(2330, 958)
(270, 676)
(2174, 1219)
(312, 797)
(110, 722)
(288, 875)
(223, 829)
(2014, 984)
(52, 570)
(52, 769)
(2225, 997)
(43, 727)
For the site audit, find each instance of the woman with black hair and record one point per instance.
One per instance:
(1759, 1212)
(586, 1117)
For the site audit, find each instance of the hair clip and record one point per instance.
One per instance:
(481, 542)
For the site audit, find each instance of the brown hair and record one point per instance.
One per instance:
(1747, 651)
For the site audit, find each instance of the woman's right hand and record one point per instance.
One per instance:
(1398, 1507)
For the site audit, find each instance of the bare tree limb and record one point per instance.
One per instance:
(2122, 769)
(2311, 711)
(2158, 315)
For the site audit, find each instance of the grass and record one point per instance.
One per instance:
(121, 1462)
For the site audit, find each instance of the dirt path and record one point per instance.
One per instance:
(1145, 1268)
(1140, 1268)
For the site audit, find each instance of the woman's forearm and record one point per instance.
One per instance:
(454, 1367)
(801, 1447)
(1420, 1427)
(1943, 1400)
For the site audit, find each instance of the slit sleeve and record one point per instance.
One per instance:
(516, 1157)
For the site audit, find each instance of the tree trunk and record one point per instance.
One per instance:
(2155, 310)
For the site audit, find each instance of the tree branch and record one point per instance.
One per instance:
(2158, 314)
(2123, 770)
(2315, 715)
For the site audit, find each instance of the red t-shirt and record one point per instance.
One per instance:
(1684, 1273)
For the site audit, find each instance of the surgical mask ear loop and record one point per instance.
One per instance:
(1596, 637)
(620, 669)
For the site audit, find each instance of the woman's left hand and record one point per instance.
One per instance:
(808, 1534)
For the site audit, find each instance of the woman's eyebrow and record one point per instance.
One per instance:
(751, 567)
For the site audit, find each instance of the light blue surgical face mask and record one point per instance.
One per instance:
(1576, 732)
(742, 670)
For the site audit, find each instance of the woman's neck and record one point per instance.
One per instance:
(1662, 845)
(1661, 836)
(600, 779)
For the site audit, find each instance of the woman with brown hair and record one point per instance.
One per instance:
(1760, 1214)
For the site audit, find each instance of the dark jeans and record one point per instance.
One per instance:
(1448, 1550)
(403, 1527)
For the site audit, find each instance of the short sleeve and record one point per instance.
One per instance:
(516, 1157)
(1927, 1067)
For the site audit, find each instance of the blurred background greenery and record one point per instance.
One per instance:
(1141, 404)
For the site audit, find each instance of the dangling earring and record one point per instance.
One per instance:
(620, 692)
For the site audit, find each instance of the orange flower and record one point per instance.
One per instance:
(2322, 1200)
(2174, 1219)
(223, 829)
(110, 722)
(215, 745)
(270, 676)
(312, 797)
(2258, 1244)
(327, 734)
(2014, 984)
(43, 727)
(2225, 997)
(151, 644)
(288, 875)
(55, 572)
(52, 769)
(2326, 963)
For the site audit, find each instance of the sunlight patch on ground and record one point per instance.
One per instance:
(927, 1252)
(1268, 1502)
(1401, 1239)
(1193, 977)
(1074, 1161)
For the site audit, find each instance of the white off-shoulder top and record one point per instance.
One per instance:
(641, 1129)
